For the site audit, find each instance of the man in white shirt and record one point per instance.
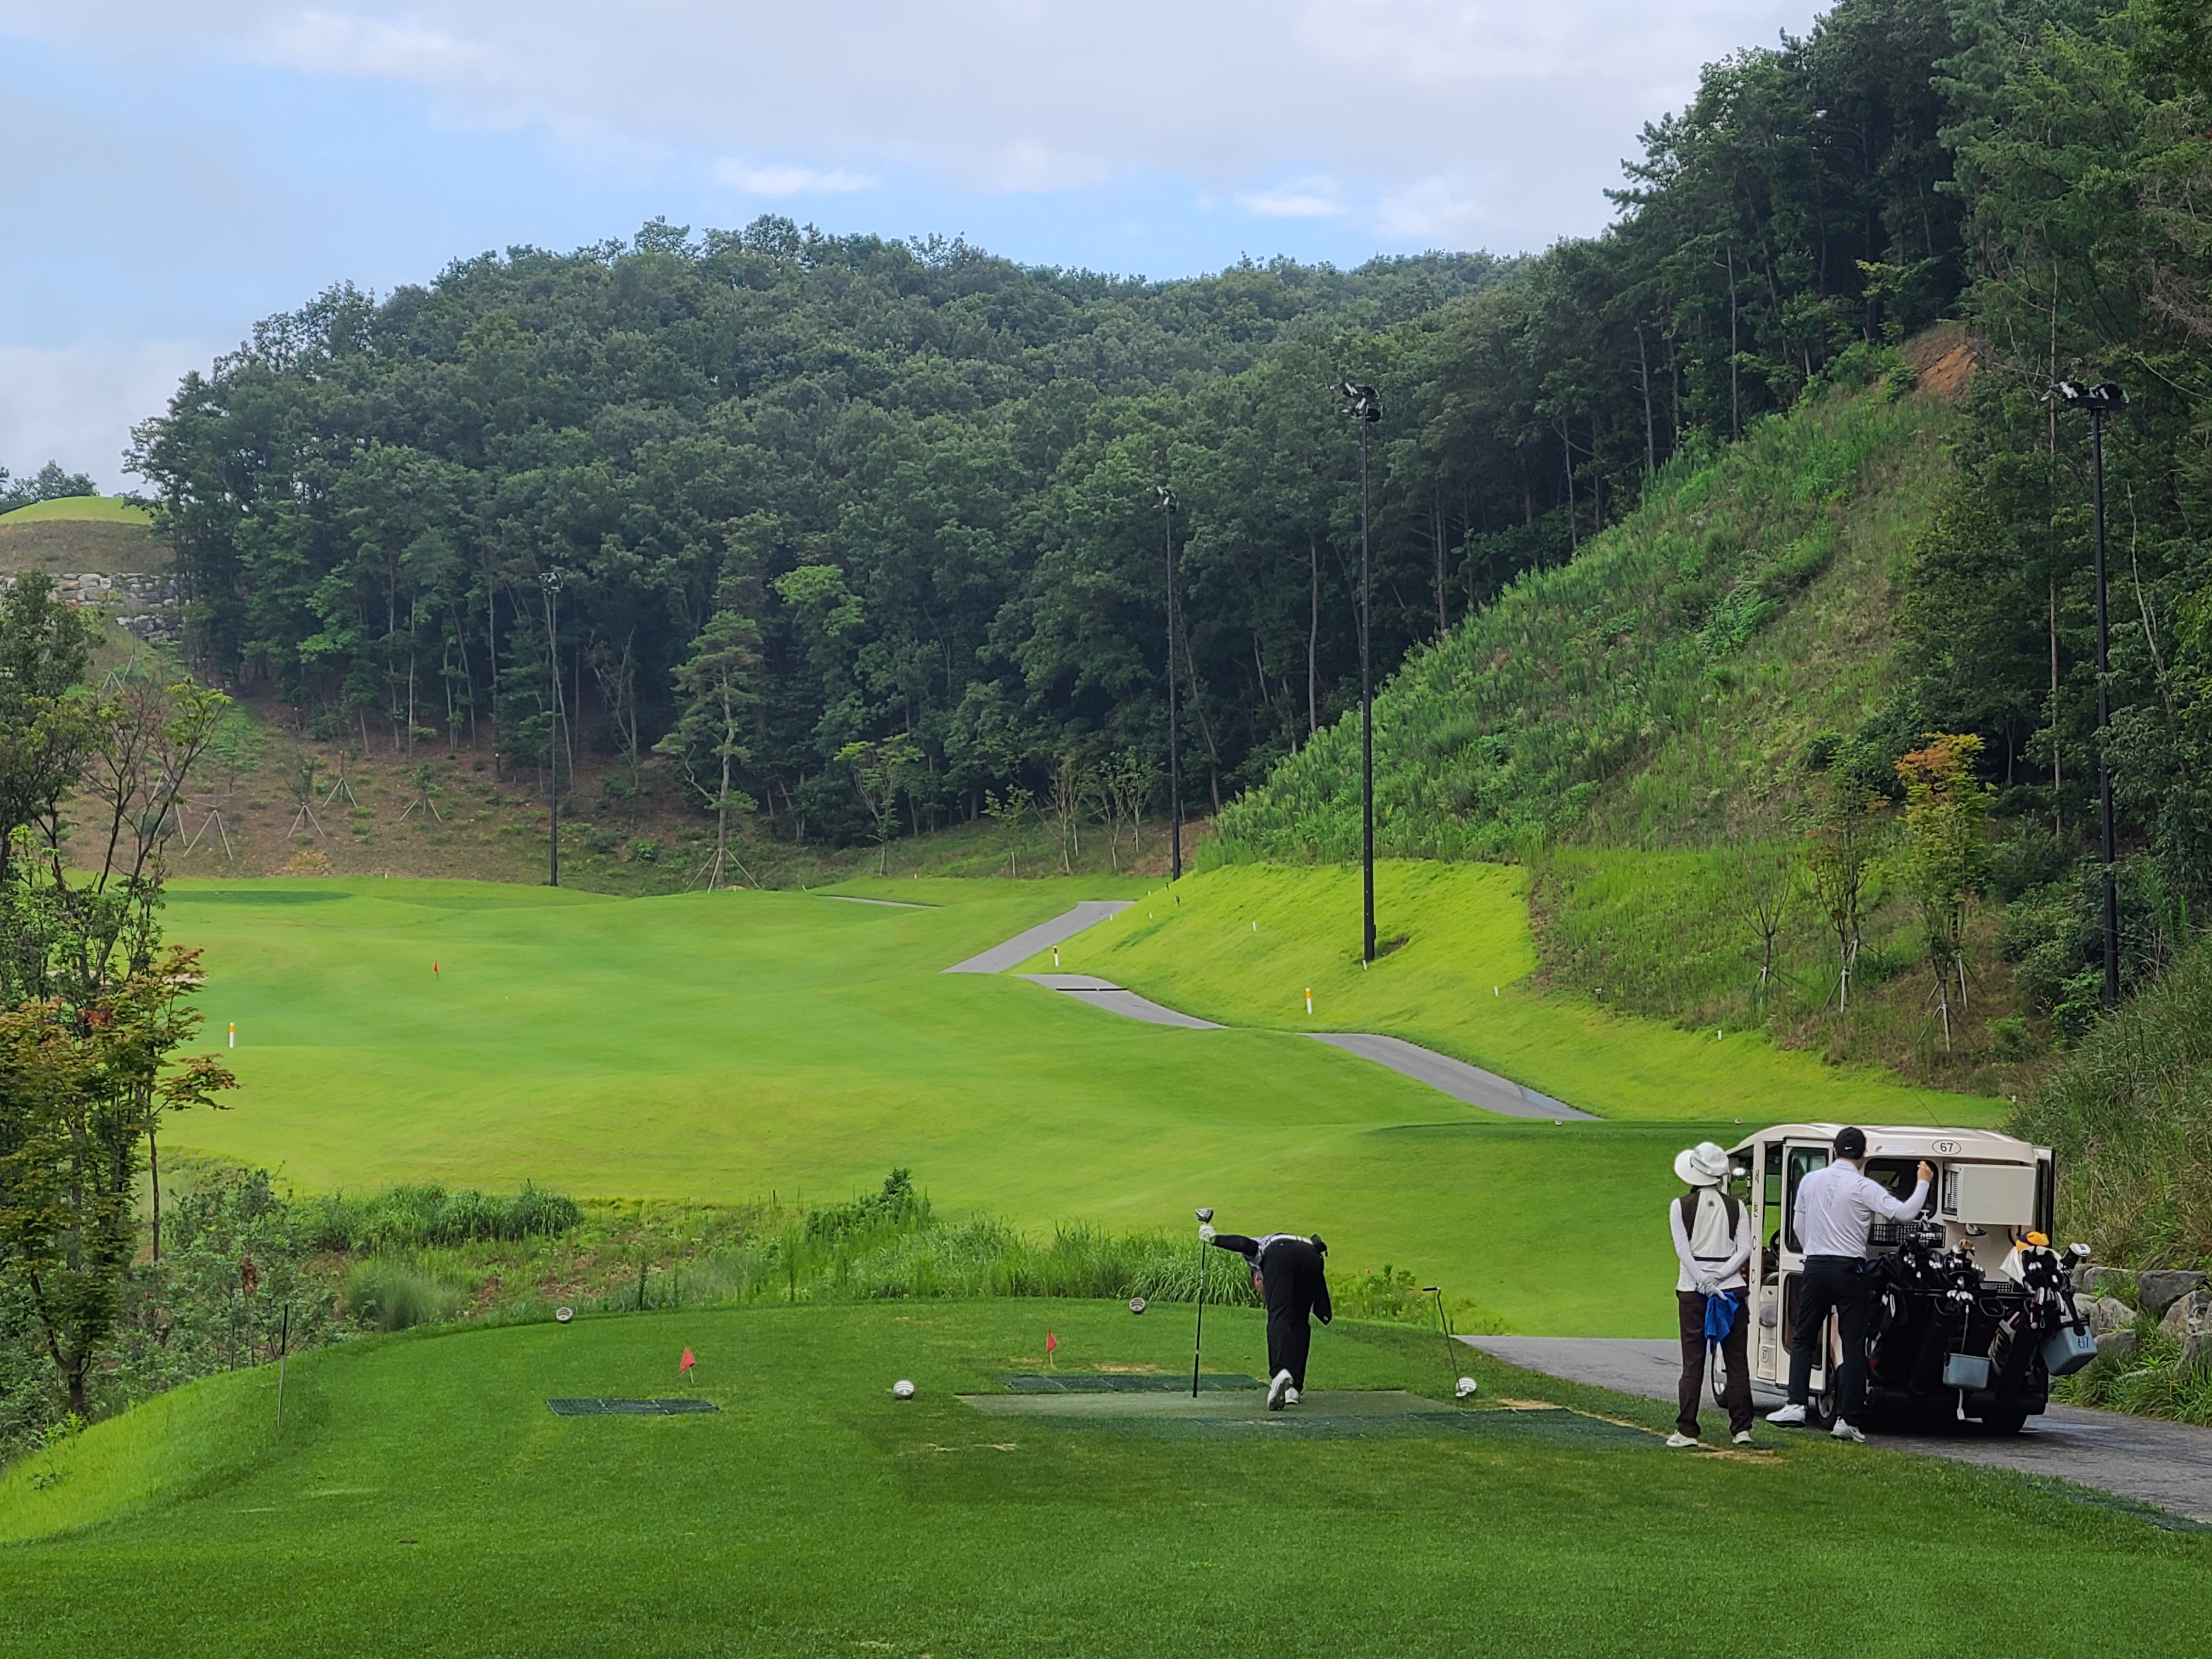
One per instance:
(1712, 1243)
(1835, 1210)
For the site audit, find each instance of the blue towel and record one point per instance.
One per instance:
(1721, 1314)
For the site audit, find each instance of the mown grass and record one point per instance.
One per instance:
(82, 510)
(1243, 943)
(1609, 691)
(725, 1048)
(420, 1498)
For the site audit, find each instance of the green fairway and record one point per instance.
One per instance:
(1242, 945)
(724, 1047)
(420, 1498)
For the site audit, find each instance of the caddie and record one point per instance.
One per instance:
(1712, 1241)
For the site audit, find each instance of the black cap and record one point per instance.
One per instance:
(1850, 1142)
(1320, 1248)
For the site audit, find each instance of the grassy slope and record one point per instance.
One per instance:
(1643, 655)
(81, 509)
(729, 1045)
(1460, 984)
(420, 1498)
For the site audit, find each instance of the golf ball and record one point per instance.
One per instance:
(1465, 1389)
(901, 1390)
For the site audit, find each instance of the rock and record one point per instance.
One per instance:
(2107, 1313)
(2160, 1290)
(2191, 1315)
(2196, 1351)
(2119, 1345)
(2103, 1281)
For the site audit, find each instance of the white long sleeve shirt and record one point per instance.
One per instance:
(1708, 1247)
(1836, 1208)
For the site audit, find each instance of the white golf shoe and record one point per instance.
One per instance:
(1844, 1431)
(1787, 1417)
(1278, 1391)
(1289, 1396)
(1744, 1439)
(1677, 1440)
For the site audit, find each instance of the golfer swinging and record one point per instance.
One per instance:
(1286, 1271)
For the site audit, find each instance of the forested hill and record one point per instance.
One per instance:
(879, 518)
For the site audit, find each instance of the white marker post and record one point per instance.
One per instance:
(1056, 955)
(1308, 1000)
(234, 1034)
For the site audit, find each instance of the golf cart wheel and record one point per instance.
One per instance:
(2010, 1419)
(1822, 1410)
(1717, 1376)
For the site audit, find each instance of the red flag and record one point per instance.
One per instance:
(686, 1363)
(1050, 1342)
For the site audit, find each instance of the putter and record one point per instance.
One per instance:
(1198, 1339)
(1443, 1325)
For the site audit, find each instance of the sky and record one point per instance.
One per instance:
(174, 171)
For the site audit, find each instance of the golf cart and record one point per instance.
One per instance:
(1971, 1311)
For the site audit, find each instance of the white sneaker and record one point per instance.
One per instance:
(1844, 1431)
(1277, 1389)
(1289, 1396)
(1787, 1417)
(1677, 1440)
(1744, 1439)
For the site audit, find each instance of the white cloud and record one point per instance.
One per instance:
(75, 403)
(1435, 211)
(1304, 198)
(788, 180)
(998, 95)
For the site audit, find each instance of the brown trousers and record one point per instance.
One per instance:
(1736, 1352)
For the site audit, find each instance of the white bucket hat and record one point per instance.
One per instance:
(1704, 1164)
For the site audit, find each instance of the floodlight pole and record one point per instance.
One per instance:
(2099, 400)
(1366, 409)
(551, 578)
(1175, 746)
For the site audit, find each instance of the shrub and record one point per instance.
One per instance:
(387, 1296)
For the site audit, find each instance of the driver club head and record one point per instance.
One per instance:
(1206, 1214)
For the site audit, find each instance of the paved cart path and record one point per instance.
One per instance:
(1462, 1082)
(2166, 1464)
(1042, 937)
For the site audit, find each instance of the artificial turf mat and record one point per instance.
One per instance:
(628, 1407)
(1116, 1383)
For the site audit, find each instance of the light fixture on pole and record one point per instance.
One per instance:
(2099, 400)
(1365, 406)
(1175, 748)
(551, 578)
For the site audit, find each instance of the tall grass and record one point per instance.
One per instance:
(2129, 1117)
(415, 1218)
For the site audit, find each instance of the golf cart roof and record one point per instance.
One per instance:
(1907, 1141)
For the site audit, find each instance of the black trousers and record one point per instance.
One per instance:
(1735, 1352)
(1834, 1283)
(1292, 1276)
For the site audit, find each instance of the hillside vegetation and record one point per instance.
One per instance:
(75, 533)
(1633, 694)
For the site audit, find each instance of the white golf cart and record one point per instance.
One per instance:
(1968, 1318)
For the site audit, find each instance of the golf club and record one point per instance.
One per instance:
(1198, 1338)
(1443, 1325)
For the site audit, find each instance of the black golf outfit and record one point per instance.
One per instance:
(1289, 1268)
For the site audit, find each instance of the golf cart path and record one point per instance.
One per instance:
(2166, 1464)
(1470, 1085)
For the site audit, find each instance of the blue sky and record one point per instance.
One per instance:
(178, 170)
